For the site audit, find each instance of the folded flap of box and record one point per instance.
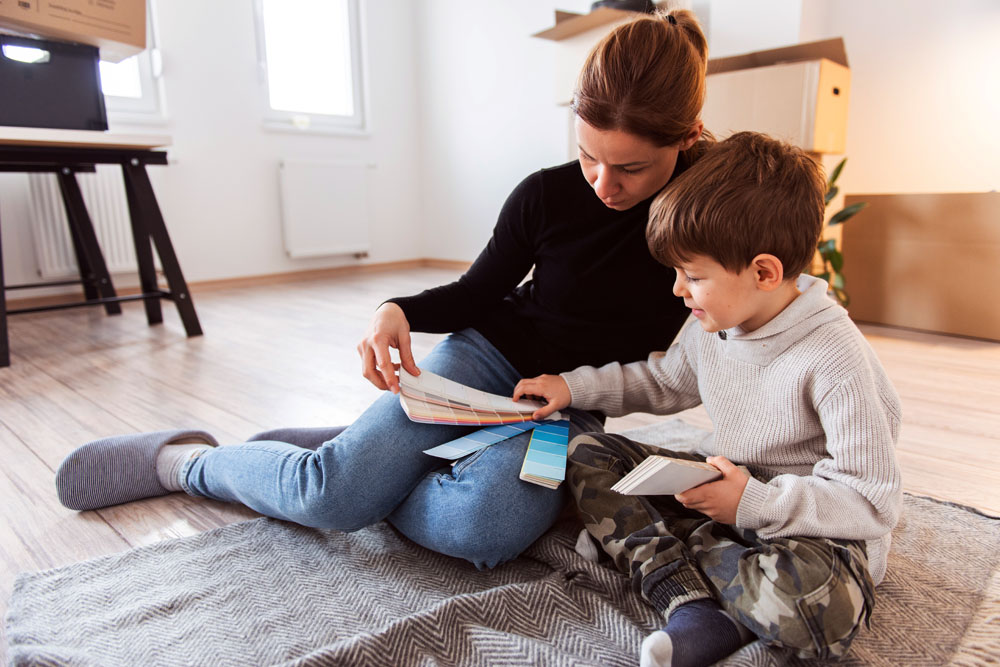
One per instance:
(832, 49)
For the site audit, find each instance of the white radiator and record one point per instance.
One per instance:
(104, 195)
(324, 208)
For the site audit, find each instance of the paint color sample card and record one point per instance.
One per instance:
(545, 460)
(431, 388)
(663, 475)
(476, 440)
(432, 399)
(432, 413)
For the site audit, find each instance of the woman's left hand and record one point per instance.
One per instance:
(720, 499)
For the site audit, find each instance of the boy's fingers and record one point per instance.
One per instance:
(722, 463)
(522, 389)
(542, 413)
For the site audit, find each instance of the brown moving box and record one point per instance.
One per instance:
(117, 27)
(926, 261)
(796, 93)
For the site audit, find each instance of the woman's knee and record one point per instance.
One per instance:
(342, 506)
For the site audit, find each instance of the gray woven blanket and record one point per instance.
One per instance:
(266, 592)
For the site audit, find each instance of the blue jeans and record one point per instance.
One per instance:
(477, 509)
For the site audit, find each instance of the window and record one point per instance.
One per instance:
(131, 87)
(310, 64)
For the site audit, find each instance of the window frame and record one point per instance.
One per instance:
(149, 108)
(313, 123)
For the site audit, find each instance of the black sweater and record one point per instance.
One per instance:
(596, 294)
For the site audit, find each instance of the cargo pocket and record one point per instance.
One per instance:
(834, 611)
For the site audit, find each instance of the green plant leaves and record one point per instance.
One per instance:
(835, 174)
(833, 259)
(847, 212)
(830, 194)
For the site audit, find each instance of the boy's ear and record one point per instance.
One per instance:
(692, 136)
(768, 272)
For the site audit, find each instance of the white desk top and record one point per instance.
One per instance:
(38, 136)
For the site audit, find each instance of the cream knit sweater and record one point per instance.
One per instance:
(803, 402)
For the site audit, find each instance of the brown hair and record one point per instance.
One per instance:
(747, 195)
(647, 78)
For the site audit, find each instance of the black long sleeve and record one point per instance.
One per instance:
(596, 294)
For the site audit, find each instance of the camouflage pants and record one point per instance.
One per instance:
(807, 594)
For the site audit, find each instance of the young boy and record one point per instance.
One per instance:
(795, 394)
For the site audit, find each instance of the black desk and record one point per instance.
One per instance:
(67, 152)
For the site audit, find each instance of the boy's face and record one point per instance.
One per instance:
(719, 298)
(625, 169)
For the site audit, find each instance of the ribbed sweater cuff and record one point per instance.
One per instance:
(579, 398)
(748, 513)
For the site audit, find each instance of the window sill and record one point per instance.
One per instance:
(328, 130)
(117, 118)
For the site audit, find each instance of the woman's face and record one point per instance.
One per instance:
(625, 169)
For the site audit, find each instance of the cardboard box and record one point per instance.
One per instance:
(925, 261)
(796, 93)
(116, 27)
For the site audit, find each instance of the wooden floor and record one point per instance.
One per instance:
(284, 355)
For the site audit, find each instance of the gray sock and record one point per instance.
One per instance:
(171, 459)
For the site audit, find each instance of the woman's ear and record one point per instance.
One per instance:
(768, 272)
(692, 136)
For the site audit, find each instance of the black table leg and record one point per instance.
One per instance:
(93, 270)
(143, 253)
(143, 202)
(4, 345)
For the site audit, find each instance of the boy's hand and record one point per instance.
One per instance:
(552, 388)
(719, 499)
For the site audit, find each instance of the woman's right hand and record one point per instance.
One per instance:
(389, 328)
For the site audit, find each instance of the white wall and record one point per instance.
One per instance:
(925, 92)
(219, 195)
(488, 113)
(738, 26)
(462, 109)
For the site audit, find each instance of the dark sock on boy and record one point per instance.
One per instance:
(697, 633)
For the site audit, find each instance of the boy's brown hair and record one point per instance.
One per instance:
(747, 195)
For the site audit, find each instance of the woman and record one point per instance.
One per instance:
(582, 227)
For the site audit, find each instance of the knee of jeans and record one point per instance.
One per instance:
(820, 623)
(319, 511)
(485, 535)
(484, 549)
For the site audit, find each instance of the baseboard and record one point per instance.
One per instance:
(201, 286)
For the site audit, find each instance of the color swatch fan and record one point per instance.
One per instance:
(431, 399)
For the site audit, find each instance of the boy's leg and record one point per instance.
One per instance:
(807, 594)
(479, 509)
(644, 535)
